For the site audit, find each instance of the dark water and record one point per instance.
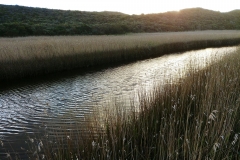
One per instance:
(36, 108)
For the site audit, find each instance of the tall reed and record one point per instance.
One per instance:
(35, 56)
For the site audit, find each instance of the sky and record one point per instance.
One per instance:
(129, 6)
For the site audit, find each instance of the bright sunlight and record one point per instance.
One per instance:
(129, 6)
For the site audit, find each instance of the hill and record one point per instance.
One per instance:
(27, 21)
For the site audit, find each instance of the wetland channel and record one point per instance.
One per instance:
(42, 107)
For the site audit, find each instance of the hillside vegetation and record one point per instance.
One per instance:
(27, 21)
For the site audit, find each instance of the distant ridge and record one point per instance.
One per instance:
(29, 21)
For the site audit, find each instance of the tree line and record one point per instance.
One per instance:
(28, 21)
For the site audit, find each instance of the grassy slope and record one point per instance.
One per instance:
(34, 56)
(25, 21)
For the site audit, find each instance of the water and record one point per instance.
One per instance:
(36, 108)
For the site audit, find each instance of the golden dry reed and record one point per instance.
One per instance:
(34, 56)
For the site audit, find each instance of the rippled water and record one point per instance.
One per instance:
(30, 109)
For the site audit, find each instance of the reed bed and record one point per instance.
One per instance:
(35, 56)
(198, 117)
